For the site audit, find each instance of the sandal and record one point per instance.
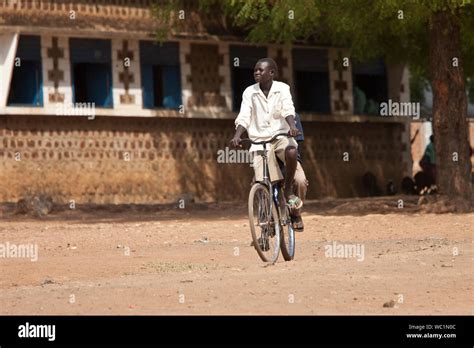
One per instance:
(294, 202)
(297, 223)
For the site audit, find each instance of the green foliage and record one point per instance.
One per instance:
(418, 85)
(470, 87)
(163, 12)
(269, 21)
(396, 30)
(389, 29)
(467, 40)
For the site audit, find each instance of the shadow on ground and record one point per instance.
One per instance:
(89, 213)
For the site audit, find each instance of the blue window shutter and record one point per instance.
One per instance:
(311, 76)
(155, 54)
(95, 84)
(147, 85)
(94, 55)
(90, 51)
(165, 56)
(29, 48)
(172, 87)
(313, 91)
(248, 55)
(310, 59)
(242, 76)
(23, 86)
(26, 87)
(109, 99)
(241, 79)
(374, 67)
(98, 84)
(38, 84)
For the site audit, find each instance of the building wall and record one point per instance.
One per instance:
(110, 160)
(129, 154)
(130, 160)
(98, 15)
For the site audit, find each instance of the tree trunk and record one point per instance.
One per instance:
(451, 128)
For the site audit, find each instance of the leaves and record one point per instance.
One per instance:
(418, 85)
(396, 30)
(470, 84)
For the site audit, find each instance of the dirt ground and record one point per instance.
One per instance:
(198, 260)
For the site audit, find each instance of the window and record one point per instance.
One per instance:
(91, 71)
(160, 73)
(311, 75)
(369, 86)
(242, 75)
(26, 88)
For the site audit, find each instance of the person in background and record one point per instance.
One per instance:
(428, 162)
(300, 182)
(360, 101)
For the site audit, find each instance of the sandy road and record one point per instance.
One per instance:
(199, 261)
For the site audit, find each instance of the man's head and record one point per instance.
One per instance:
(265, 70)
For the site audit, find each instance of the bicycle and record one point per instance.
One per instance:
(269, 214)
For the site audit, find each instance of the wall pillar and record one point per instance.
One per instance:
(127, 91)
(340, 77)
(57, 88)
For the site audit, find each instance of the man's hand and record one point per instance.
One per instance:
(294, 131)
(236, 142)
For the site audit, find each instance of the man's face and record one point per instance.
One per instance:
(262, 72)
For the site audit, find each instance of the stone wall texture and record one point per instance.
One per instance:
(155, 160)
(127, 16)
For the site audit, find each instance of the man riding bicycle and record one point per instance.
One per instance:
(267, 109)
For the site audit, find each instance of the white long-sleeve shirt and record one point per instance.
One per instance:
(263, 117)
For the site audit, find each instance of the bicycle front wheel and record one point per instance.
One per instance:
(264, 223)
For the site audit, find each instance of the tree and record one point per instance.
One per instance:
(434, 37)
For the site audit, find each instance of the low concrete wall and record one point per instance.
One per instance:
(155, 160)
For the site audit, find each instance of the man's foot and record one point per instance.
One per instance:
(294, 202)
(297, 223)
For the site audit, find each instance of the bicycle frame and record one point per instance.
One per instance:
(266, 179)
(281, 215)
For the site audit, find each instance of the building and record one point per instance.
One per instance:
(161, 113)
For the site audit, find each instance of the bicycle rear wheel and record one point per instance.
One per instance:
(264, 224)
(287, 235)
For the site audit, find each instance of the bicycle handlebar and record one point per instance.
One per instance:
(267, 141)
